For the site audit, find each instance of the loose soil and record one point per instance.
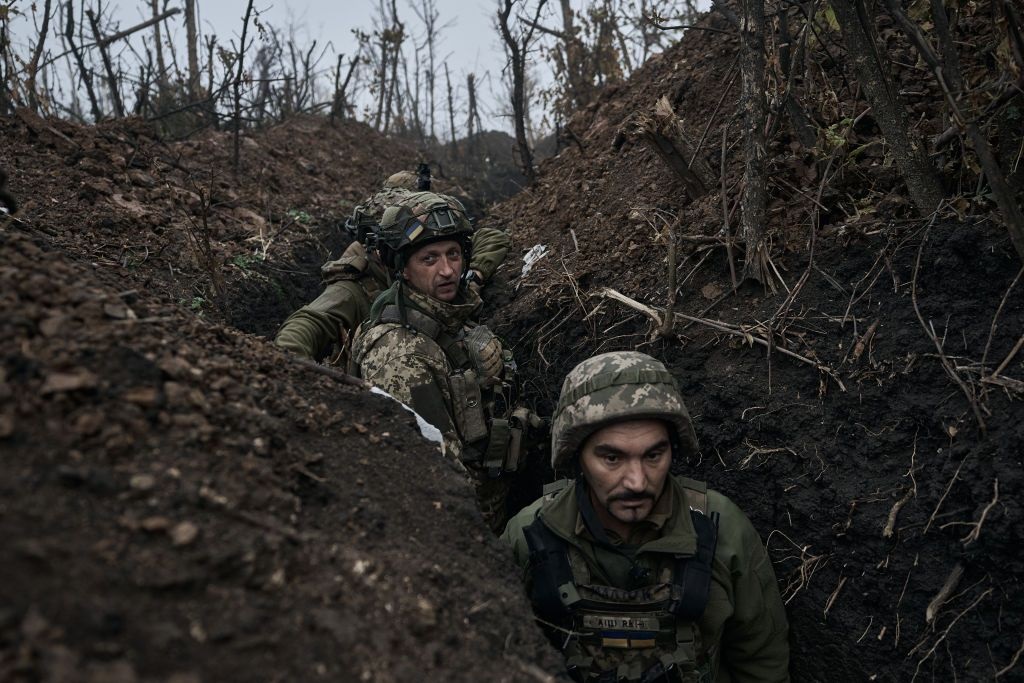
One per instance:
(182, 502)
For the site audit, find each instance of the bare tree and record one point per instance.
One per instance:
(112, 78)
(192, 45)
(32, 68)
(451, 107)
(429, 15)
(158, 48)
(946, 71)
(887, 107)
(238, 84)
(517, 46)
(84, 72)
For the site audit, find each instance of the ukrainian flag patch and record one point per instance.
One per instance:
(414, 230)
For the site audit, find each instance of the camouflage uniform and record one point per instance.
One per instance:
(692, 596)
(357, 278)
(430, 355)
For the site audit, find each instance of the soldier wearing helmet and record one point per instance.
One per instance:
(420, 345)
(358, 277)
(639, 575)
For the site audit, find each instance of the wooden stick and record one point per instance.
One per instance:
(326, 371)
(725, 328)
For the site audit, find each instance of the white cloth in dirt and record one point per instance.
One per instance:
(429, 431)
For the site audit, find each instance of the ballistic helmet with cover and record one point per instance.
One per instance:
(403, 180)
(362, 224)
(612, 387)
(419, 219)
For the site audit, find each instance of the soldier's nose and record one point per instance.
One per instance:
(634, 478)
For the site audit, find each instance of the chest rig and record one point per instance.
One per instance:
(483, 390)
(612, 635)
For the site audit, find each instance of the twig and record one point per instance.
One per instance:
(835, 594)
(721, 327)
(725, 210)
(338, 375)
(945, 493)
(946, 364)
(1009, 357)
(945, 633)
(976, 532)
(1013, 662)
(668, 319)
(995, 319)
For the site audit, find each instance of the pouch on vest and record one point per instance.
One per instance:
(505, 447)
(468, 406)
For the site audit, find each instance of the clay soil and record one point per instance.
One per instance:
(181, 502)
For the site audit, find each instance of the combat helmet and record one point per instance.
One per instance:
(362, 224)
(616, 386)
(419, 219)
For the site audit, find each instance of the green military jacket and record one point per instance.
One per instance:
(743, 630)
(353, 282)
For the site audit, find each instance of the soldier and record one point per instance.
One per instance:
(639, 575)
(358, 277)
(420, 345)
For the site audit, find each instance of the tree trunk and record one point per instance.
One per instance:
(158, 48)
(33, 65)
(112, 84)
(192, 41)
(908, 150)
(755, 116)
(451, 109)
(517, 60)
(85, 72)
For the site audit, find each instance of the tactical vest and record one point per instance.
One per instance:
(482, 387)
(610, 634)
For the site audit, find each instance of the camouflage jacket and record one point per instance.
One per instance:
(415, 368)
(741, 637)
(353, 282)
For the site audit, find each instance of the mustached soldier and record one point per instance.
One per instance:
(643, 576)
(420, 345)
(358, 277)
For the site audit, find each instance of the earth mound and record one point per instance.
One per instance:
(867, 415)
(181, 501)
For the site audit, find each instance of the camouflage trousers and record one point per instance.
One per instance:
(491, 497)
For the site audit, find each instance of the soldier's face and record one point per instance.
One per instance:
(435, 269)
(625, 465)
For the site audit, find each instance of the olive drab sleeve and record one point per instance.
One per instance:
(514, 537)
(755, 639)
(329, 319)
(489, 249)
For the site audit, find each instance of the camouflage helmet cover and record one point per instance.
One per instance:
(366, 216)
(612, 387)
(420, 218)
(404, 180)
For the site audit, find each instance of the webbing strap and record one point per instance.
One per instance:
(413, 318)
(549, 570)
(635, 376)
(692, 575)
(426, 325)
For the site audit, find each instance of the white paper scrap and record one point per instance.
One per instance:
(535, 254)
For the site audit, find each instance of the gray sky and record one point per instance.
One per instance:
(467, 38)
